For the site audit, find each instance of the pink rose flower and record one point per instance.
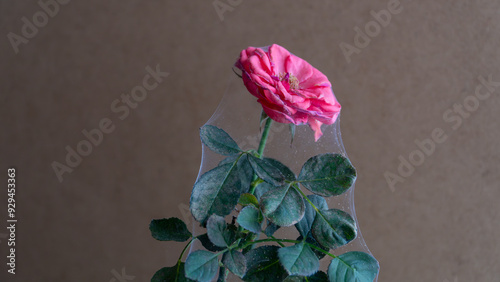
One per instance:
(289, 89)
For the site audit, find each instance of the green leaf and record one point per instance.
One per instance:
(299, 259)
(327, 174)
(207, 244)
(235, 262)
(171, 274)
(295, 279)
(310, 239)
(201, 266)
(262, 189)
(222, 274)
(218, 140)
(333, 228)
(250, 218)
(263, 265)
(171, 229)
(266, 171)
(271, 228)
(353, 267)
(218, 232)
(282, 205)
(229, 160)
(319, 276)
(305, 224)
(246, 173)
(218, 190)
(248, 199)
(287, 172)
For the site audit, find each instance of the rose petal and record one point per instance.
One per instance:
(278, 56)
(316, 127)
(301, 69)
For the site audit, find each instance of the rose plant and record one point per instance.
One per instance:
(260, 195)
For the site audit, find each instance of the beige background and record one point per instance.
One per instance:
(441, 224)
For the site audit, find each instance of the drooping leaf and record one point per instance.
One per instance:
(333, 228)
(287, 172)
(171, 274)
(283, 205)
(218, 140)
(353, 267)
(236, 262)
(248, 199)
(218, 232)
(218, 190)
(207, 244)
(201, 266)
(271, 228)
(299, 259)
(327, 174)
(305, 224)
(266, 171)
(169, 229)
(263, 265)
(250, 218)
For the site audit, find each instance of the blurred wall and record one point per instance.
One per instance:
(405, 78)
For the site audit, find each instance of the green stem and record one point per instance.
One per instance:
(260, 151)
(263, 139)
(279, 243)
(304, 196)
(318, 211)
(185, 248)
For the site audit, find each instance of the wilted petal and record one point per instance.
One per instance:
(289, 89)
